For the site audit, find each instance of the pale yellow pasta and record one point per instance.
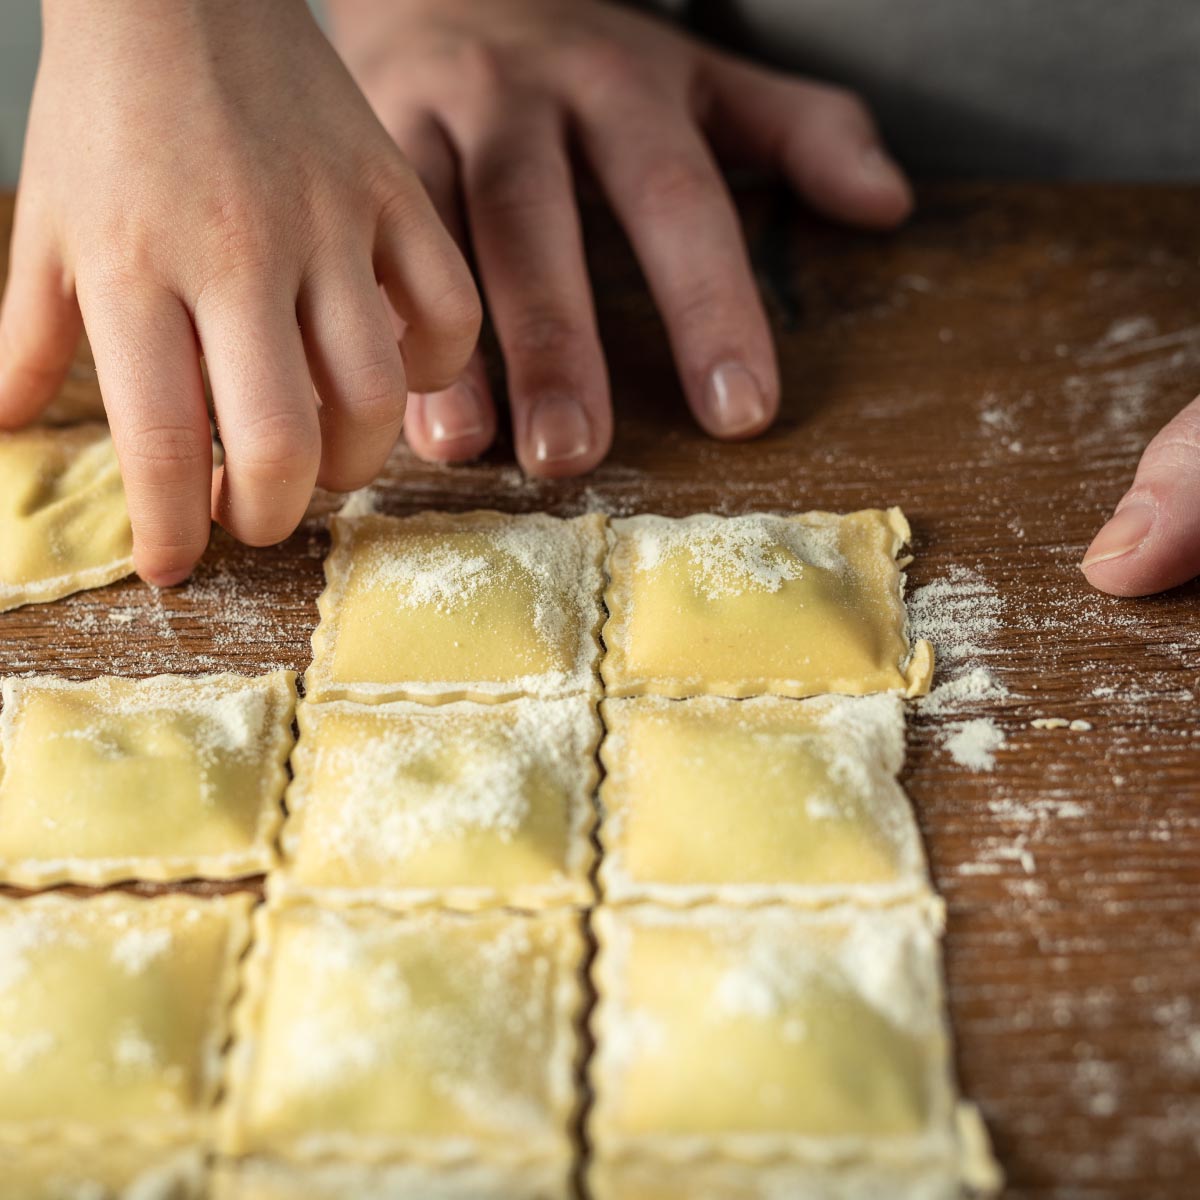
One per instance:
(64, 525)
(770, 1032)
(757, 801)
(253, 1179)
(463, 805)
(113, 1012)
(759, 605)
(429, 1037)
(112, 1171)
(715, 1179)
(481, 606)
(156, 779)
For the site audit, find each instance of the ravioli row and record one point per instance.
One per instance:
(460, 806)
(487, 606)
(444, 1046)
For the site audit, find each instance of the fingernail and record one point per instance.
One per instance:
(878, 166)
(454, 414)
(735, 401)
(559, 430)
(1124, 533)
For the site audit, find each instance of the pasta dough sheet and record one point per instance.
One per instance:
(772, 1034)
(64, 525)
(259, 1180)
(51, 1171)
(113, 1013)
(461, 805)
(641, 1179)
(154, 779)
(760, 605)
(824, 820)
(476, 606)
(434, 1037)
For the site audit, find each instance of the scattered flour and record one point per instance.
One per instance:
(976, 686)
(732, 555)
(973, 744)
(958, 613)
(136, 949)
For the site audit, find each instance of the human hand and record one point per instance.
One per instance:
(1152, 541)
(487, 98)
(205, 178)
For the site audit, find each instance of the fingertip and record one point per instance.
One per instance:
(561, 438)
(887, 196)
(166, 567)
(1140, 551)
(736, 404)
(456, 423)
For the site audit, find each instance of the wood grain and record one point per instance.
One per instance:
(995, 368)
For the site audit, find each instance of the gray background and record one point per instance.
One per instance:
(1035, 88)
(20, 27)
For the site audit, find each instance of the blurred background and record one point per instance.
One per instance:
(1083, 89)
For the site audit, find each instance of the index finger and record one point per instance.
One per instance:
(149, 368)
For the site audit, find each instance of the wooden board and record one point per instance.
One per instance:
(995, 369)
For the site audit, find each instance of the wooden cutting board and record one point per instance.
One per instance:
(996, 369)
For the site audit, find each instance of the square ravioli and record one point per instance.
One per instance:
(763, 1033)
(474, 606)
(431, 1037)
(116, 1171)
(461, 805)
(760, 605)
(824, 822)
(64, 525)
(113, 1013)
(711, 1179)
(153, 779)
(255, 1179)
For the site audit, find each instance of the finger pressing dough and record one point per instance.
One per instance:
(760, 605)
(431, 1037)
(757, 801)
(461, 805)
(771, 1033)
(475, 606)
(113, 1012)
(154, 779)
(64, 525)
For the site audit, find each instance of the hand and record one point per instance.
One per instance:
(487, 98)
(204, 177)
(1152, 541)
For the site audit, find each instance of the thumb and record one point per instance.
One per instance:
(1152, 541)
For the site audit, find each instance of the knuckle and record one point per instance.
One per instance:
(546, 333)
(514, 181)
(1176, 447)
(375, 395)
(602, 67)
(705, 306)
(113, 272)
(480, 70)
(164, 454)
(237, 243)
(462, 311)
(274, 445)
(673, 184)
